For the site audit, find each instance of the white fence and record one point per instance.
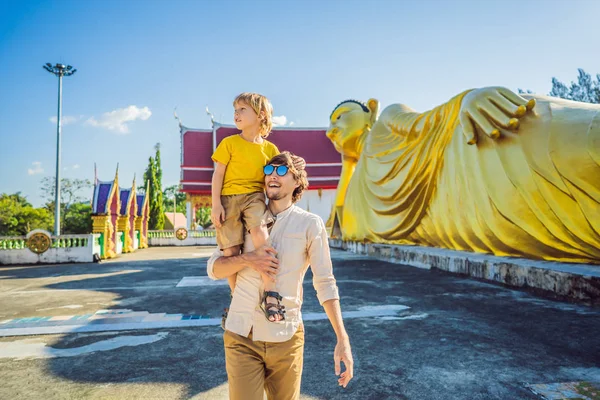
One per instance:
(20, 250)
(63, 249)
(193, 238)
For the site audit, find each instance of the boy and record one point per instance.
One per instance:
(238, 199)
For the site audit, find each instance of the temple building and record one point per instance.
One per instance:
(120, 216)
(142, 216)
(323, 164)
(175, 220)
(106, 207)
(126, 221)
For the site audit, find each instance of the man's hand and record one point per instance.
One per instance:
(491, 108)
(263, 261)
(343, 353)
(217, 215)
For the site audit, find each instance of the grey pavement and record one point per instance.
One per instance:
(447, 337)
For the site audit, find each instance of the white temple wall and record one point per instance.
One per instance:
(320, 205)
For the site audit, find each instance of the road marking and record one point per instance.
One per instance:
(119, 320)
(34, 348)
(190, 281)
(566, 390)
(56, 308)
(95, 289)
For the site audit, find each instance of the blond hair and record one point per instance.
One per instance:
(286, 158)
(259, 103)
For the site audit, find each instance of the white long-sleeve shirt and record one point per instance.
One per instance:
(301, 240)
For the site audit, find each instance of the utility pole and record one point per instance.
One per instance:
(59, 70)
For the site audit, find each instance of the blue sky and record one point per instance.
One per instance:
(138, 60)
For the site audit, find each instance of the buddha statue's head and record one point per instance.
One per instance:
(348, 123)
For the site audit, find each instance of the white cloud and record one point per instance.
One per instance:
(280, 120)
(76, 166)
(291, 123)
(37, 168)
(66, 119)
(116, 120)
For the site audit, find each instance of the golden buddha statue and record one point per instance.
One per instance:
(490, 171)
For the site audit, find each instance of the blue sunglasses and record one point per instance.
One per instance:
(281, 170)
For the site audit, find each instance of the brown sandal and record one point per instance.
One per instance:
(272, 309)
(224, 315)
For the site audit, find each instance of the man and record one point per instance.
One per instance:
(267, 356)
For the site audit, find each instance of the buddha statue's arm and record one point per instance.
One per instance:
(487, 110)
(348, 167)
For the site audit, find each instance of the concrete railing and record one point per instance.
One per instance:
(63, 241)
(171, 234)
(181, 237)
(12, 243)
(61, 249)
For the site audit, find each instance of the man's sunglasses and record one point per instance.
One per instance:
(281, 170)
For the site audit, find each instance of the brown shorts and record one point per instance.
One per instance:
(243, 212)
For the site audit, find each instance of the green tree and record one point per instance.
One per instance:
(34, 218)
(152, 174)
(203, 217)
(160, 220)
(150, 177)
(78, 219)
(168, 194)
(585, 89)
(18, 217)
(70, 190)
(10, 207)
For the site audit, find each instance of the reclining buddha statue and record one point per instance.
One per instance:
(489, 171)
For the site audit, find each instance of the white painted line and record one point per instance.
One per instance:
(414, 317)
(384, 307)
(47, 330)
(189, 281)
(324, 178)
(100, 289)
(31, 348)
(350, 314)
(323, 165)
(192, 183)
(365, 312)
(56, 308)
(197, 168)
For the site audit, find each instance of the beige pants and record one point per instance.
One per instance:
(256, 367)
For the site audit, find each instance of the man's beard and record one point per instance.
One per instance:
(276, 196)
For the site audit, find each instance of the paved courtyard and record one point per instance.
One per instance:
(145, 326)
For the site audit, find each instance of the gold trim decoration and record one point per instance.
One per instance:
(199, 200)
(181, 233)
(39, 242)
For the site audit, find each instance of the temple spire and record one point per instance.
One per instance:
(95, 175)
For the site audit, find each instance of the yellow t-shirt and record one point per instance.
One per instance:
(245, 162)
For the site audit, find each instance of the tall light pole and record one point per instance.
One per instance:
(59, 70)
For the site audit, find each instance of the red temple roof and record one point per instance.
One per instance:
(323, 162)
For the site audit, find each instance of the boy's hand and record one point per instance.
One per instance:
(299, 162)
(217, 215)
(263, 261)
